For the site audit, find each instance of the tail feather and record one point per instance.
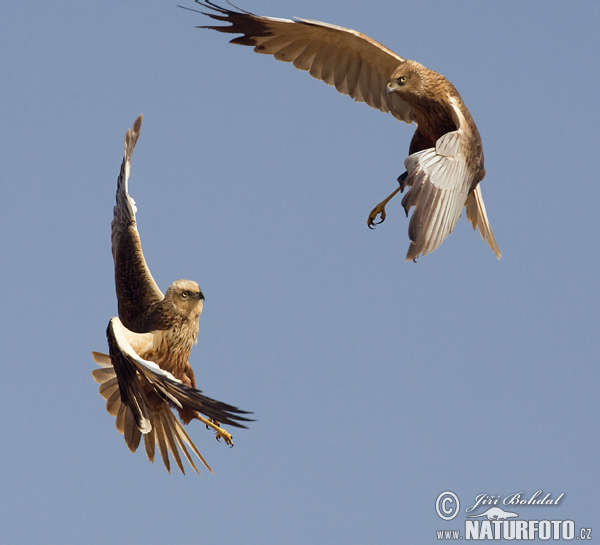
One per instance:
(109, 388)
(183, 448)
(120, 422)
(114, 403)
(131, 433)
(186, 438)
(102, 375)
(103, 360)
(150, 441)
(166, 430)
(477, 215)
(170, 439)
(162, 445)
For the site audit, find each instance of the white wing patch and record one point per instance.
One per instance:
(440, 181)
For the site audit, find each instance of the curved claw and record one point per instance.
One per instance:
(227, 438)
(221, 433)
(378, 210)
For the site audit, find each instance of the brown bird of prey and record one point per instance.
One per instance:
(445, 162)
(147, 371)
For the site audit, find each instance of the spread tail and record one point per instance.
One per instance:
(165, 430)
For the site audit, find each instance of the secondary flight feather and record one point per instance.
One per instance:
(147, 373)
(445, 163)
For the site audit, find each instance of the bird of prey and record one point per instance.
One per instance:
(146, 372)
(445, 162)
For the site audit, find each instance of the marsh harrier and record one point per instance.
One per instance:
(146, 372)
(445, 163)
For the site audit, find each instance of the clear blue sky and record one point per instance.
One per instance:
(376, 383)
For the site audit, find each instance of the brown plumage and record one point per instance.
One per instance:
(147, 371)
(445, 163)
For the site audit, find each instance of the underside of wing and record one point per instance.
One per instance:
(137, 292)
(353, 63)
(440, 180)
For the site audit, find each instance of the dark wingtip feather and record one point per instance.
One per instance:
(241, 22)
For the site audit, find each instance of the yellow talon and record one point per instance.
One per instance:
(379, 209)
(221, 433)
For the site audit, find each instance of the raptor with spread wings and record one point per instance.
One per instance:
(147, 372)
(445, 163)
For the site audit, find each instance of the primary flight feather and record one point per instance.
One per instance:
(445, 163)
(147, 373)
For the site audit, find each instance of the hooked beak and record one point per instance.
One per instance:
(391, 87)
(200, 296)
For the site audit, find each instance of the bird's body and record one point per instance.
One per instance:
(445, 163)
(170, 348)
(438, 110)
(147, 371)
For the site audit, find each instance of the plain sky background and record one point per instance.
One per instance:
(376, 383)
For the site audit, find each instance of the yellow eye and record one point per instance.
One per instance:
(185, 294)
(402, 80)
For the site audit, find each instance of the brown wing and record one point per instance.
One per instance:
(137, 292)
(353, 63)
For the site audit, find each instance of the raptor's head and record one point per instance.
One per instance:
(407, 79)
(186, 297)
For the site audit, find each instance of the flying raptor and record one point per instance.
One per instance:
(445, 163)
(146, 372)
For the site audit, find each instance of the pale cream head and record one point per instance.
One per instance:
(186, 297)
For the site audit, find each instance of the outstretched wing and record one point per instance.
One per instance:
(137, 292)
(353, 63)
